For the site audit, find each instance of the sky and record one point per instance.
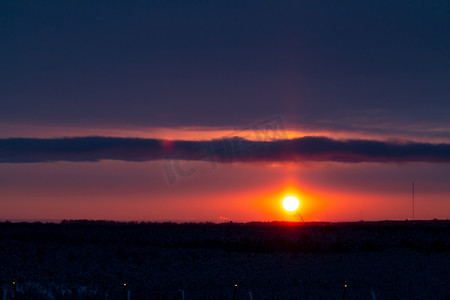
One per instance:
(217, 110)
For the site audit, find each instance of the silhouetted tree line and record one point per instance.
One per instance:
(240, 237)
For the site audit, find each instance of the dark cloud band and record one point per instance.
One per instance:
(92, 149)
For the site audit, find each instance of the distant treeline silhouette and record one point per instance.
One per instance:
(241, 237)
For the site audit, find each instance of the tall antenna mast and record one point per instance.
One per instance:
(413, 199)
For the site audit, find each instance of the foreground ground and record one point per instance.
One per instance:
(92, 260)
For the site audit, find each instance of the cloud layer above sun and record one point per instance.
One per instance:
(27, 150)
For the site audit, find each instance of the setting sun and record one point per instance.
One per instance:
(290, 203)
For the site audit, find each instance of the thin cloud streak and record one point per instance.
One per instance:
(311, 148)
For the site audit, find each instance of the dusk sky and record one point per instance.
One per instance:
(217, 110)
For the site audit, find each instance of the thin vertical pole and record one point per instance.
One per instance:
(14, 290)
(235, 291)
(343, 294)
(413, 200)
(125, 291)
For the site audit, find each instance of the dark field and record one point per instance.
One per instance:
(92, 260)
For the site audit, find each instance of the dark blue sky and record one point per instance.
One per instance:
(382, 66)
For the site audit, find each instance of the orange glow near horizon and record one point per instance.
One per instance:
(239, 192)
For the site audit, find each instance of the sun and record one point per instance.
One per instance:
(291, 203)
